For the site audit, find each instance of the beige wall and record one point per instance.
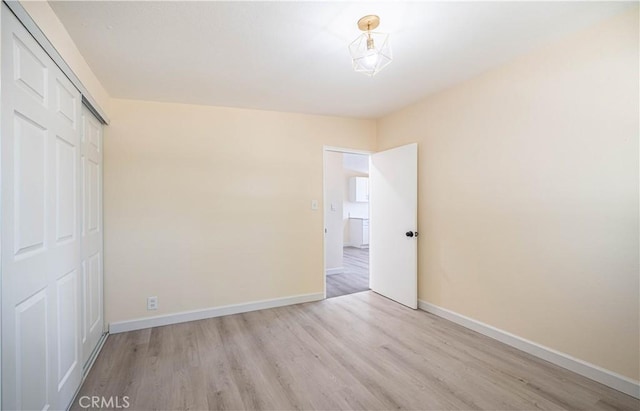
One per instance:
(528, 195)
(52, 27)
(208, 206)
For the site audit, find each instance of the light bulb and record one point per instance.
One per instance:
(371, 58)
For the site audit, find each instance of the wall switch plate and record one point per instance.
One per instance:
(314, 204)
(152, 303)
(333, 207)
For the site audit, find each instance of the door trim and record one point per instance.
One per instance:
(326, 149)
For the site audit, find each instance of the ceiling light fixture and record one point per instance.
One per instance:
(371, 51)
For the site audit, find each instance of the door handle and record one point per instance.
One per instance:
(411, 234)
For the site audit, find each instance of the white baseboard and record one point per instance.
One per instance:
(185, 316)
(337, 270)
(591, 371)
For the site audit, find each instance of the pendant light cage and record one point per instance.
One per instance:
(371, 51)
(370, 60)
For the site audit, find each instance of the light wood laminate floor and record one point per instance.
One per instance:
(356, 273)
(359, 351)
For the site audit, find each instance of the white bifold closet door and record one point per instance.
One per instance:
(51, 276)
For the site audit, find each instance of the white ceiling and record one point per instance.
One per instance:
(293, 56)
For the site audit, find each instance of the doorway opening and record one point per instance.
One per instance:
(346, 222)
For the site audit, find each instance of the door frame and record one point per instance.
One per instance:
(336, 149)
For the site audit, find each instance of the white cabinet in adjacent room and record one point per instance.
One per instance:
(359, 232)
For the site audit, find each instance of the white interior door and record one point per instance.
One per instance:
(393, 213)
(41, 364)
(91, 266)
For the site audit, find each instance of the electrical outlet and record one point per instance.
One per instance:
(152, 303)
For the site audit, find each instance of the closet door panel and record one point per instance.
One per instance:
(29, 182)
(66, 103)
(41, 240)
(67, 330)
(66, 213)
(93, 324)
(30, 72)
(32, 354)
(65, 220)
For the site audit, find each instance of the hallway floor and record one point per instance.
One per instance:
(355, 277)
